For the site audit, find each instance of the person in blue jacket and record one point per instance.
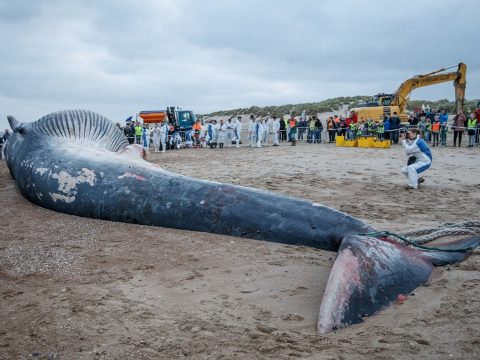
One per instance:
(386, 127)
(420, 157)
(443, 117)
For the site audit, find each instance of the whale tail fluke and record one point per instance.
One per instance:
(447, 253)
(369, 274)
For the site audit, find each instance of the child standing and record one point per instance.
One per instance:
(436, 131)
(428, 130)
(293, 130)
(380, 131)
(443, 133)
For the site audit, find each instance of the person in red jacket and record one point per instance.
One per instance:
(354, 116)
(348, 121)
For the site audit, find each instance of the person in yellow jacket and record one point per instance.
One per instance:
(428, 130)
(286, 134)
(352, 131)
(381, 131)
(138, 133)
(471, 129)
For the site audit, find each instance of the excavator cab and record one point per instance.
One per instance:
(378, 100)
(382, 100)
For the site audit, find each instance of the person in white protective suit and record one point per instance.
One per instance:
(189, 138)
(222, 134)
(212, 135)
(156, 138)
(164, 135)
(266, 129)
(259, 130)
(203, 135)
(237, 130)
(229, 136)
(146, 138)
(276, 131)
(252, 125)
(175, 141)
(420, 157)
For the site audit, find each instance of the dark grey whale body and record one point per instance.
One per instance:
(68, 169)
(80, 163)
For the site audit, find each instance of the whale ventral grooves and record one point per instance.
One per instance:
(81, 125)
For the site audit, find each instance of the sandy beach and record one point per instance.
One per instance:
(78, 288)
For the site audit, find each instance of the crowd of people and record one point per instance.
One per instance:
(433, 125)
(232, 132)
(351, 127)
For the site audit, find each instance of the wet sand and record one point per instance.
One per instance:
(77, 288)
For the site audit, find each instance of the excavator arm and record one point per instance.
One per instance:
(458, 77)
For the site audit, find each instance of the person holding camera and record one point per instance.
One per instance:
(419, 157)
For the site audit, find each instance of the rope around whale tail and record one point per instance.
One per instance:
(419, 237)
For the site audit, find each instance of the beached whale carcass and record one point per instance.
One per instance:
(78, 162)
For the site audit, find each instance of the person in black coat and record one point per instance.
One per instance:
(395, 127)
(283, 133)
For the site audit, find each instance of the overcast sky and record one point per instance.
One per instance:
(121, 57)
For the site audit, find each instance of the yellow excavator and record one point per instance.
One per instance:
(387, 104)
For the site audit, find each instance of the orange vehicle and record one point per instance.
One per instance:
(184, 119)
(152, 117)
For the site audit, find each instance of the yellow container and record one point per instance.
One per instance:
(340, 140)
(366, 141)
(384, 144)
(351, 143)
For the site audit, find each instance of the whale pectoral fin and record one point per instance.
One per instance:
(368, 274)
(133, 150)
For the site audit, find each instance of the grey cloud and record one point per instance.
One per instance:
(122, 57)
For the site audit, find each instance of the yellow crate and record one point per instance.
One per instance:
(351, 143)
(384, 144)
(366, 141)
(340, 140)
